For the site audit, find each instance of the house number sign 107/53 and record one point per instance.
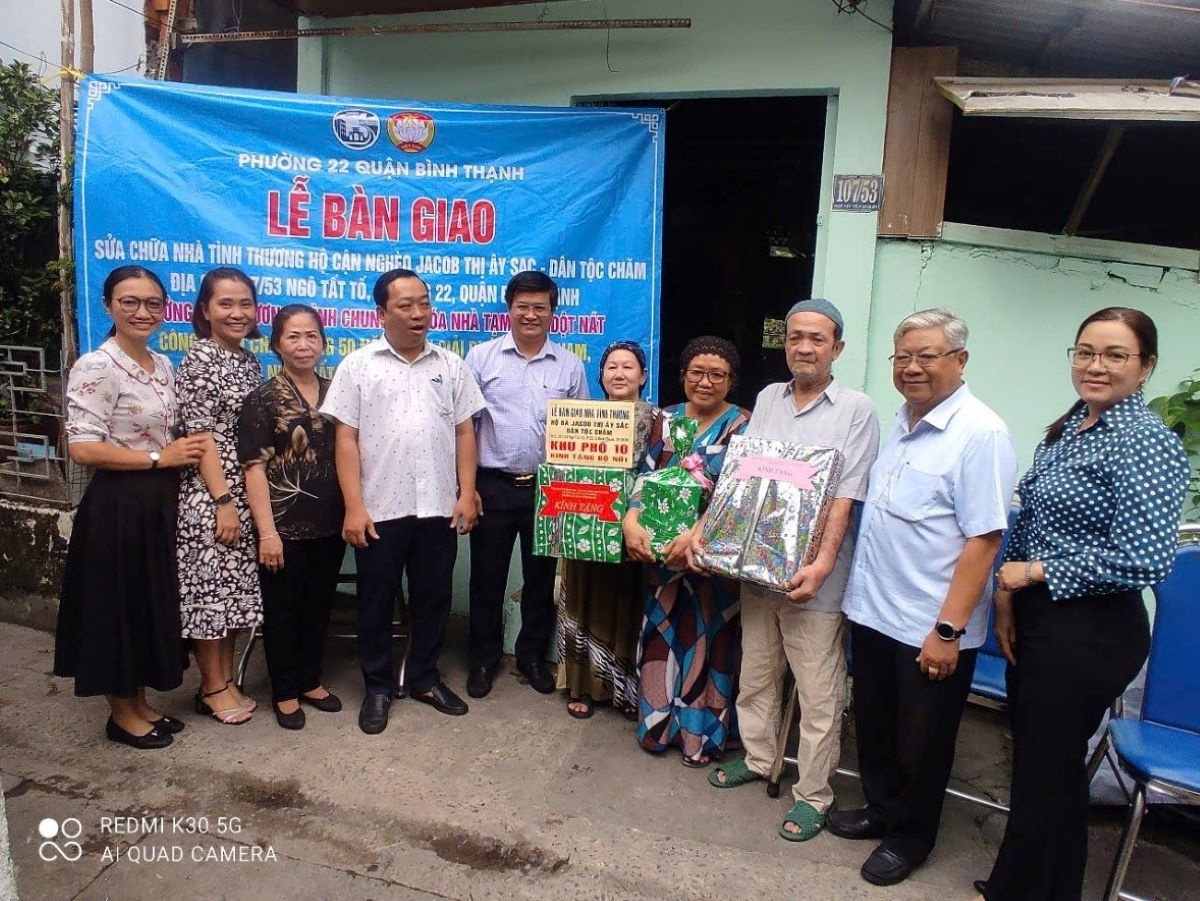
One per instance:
(857, 193)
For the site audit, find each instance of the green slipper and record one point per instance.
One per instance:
(736, 773)
(807, 817)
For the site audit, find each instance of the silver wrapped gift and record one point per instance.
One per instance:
(769, 509)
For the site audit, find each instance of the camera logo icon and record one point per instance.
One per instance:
(69, 829)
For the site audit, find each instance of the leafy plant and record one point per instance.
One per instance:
(29, 167)
(1181, 412)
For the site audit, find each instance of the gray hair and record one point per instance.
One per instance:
(951, 324)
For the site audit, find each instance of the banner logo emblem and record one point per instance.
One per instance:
(411, 132)
(356, 129)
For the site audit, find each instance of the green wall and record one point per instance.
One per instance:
(1023, 309)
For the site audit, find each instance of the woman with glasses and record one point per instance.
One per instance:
(286, 448)
(118, 617)
(600, 604)
(1099, 515)
(690, 646)
(218, 554)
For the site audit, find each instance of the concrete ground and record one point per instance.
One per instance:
(514, 800)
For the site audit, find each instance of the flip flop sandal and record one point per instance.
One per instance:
(696, 763)
(807, 818)
(588, 707)
(736, 773)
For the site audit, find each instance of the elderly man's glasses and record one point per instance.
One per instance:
(1081, 357)
(924, 360)
(714, 376)
(153, 305)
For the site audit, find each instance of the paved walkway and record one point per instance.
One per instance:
(515, 800)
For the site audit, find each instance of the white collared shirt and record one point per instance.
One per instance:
(949, 478)
(838, 417)
(405, 413)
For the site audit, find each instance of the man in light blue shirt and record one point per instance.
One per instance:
(919, 591)
(519, 373)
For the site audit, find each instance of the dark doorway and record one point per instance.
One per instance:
(742, 188)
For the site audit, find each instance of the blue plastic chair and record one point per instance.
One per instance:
(1161, 751)
(988, 681)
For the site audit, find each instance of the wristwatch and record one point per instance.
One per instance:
(155, 456)
(222, 500)
(947, 632)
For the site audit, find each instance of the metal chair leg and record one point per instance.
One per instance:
(1128, 840)
(239, 673)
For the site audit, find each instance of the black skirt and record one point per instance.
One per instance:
(118, 616)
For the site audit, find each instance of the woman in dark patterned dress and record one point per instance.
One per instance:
(218, 554)
(691, 638)
(286, 447)
(600, 605)
(118, 617)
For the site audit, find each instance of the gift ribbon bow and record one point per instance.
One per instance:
(694, 464)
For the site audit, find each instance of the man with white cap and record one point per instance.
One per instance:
(804, 628)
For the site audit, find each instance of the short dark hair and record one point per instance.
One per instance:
(208, 286)
(531, 282)
(284, 314)
(119, 275)
(711, 344)
(385, 281)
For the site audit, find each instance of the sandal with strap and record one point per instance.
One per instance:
(736, 773)
(228, 717)
(584, 701)
(809, 820)
(247, 703)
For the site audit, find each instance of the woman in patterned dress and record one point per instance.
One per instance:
(691, 644)
(600, 605)
(118, 617)
(286, 447)
(1099, 515)
(218, 554)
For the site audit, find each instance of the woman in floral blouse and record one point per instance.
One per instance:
(286, 447)
(118, 617)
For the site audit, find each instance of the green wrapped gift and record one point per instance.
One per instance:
(579, 512)
(672, 497)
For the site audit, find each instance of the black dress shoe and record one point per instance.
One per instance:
(479, 681)
(538, 675)
(886, 867)
(980, 886)
(293, 720)
(373, 716)
(168, 724)
(331, 703)
(859, 823)
(152, 740)
(443, 700)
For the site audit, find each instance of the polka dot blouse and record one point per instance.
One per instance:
(1100, 508)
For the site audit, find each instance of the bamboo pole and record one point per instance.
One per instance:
(87, 37)
(66, 143)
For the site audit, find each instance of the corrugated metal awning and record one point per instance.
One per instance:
(1066, 98)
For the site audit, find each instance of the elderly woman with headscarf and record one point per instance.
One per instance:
(690, 644)
(600, 604)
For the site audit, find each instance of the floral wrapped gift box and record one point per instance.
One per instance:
(579, 512)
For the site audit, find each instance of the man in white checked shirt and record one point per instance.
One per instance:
(518, 373)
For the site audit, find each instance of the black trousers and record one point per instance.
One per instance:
(425, 548)
(296, 604)
(907, 726)
(1074, 658)
(507, 515)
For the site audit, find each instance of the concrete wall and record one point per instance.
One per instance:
(1023, 309)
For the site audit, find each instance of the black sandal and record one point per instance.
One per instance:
(584, 701)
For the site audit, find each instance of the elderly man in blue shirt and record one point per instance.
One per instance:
(519, 374)
(920, 587)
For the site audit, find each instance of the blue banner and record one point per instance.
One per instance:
(314, 197)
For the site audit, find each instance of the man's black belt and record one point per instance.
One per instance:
(519, 479)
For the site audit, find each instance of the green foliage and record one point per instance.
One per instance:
(29, 167)
(1181, 412)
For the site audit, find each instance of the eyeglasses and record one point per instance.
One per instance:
(153, 305)
(714, 376)
(924, 360)
(538, 309)
(1081, 357)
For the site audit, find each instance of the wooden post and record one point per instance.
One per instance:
(87, 37)
(66, 144)
(1099, 166)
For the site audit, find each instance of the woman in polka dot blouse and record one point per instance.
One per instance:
(1100, 512)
